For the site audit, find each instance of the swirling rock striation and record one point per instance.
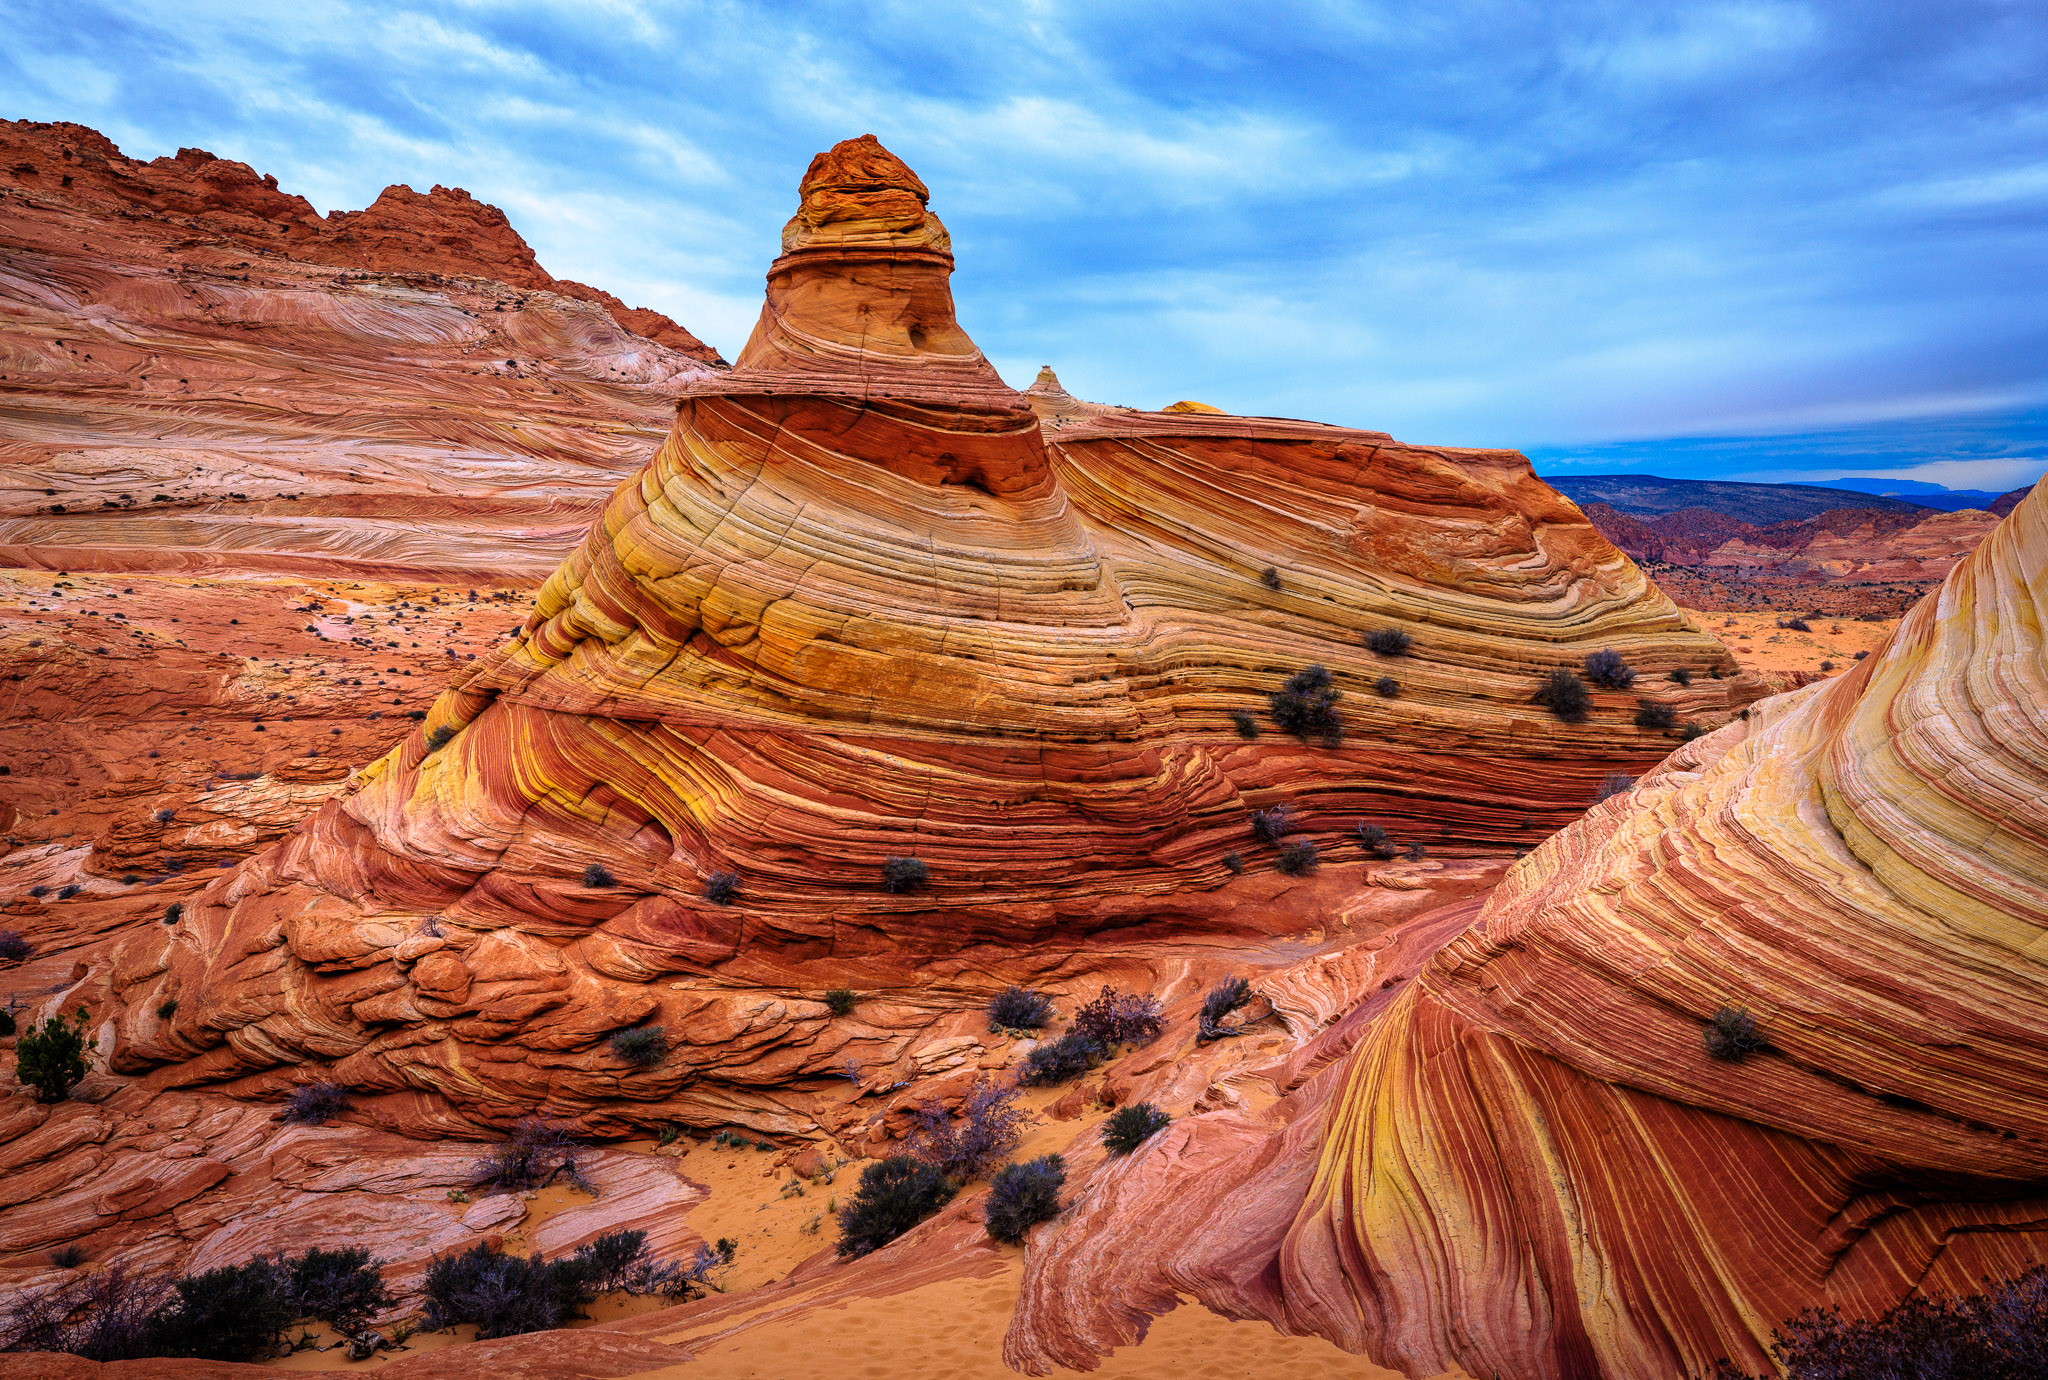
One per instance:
(1530, 1165)
(866, 602)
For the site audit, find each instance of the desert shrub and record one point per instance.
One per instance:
(1827, 666)
(1732, 1034)
(1861, 655)
(68, 1257)
(1651, 715)
(1297, 857)
(536, 1154)
(989, 1127)
(904, 874)
(1683, 675)
(1417, 852)
(643, 1046)
(1389, 642)
(1269, 825)
(1057, 1061)
(1691, 731)
(1224, 998)
(1023, 1195)
(51, 1056)
(65, 893)
(1130, 1127)
(234, 1313)
(1564, 694)
(102, 1316)
(13, 946)
(598, 875)
(167, 1008)
(893, 1197)
(1234, 862)
(1388, 688)
(1016, 1008)
(721, 887)
(1606, 669)
(166, 815)
(1247, 723)
(503, 1295)
(1999, 1334)
(1306, 706)
(341, 1288)
(840, 1001)
(1795, 624)
(172, 911)
(1270, 577)
(610, 1261)
(1611, 785)
(316, 1104)
(441, 737)
(1373, 839)
(1120, 1018)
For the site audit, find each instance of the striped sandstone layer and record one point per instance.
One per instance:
(1527, 1164)
(864, 604)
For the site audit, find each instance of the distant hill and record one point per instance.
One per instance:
(1648, 496)
(1919, 491)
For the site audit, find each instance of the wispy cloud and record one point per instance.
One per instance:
(1555, 226)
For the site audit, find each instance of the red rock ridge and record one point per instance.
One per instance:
(445, 231)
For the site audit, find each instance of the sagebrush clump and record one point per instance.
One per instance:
(598, 875)
(1732, 1034)
(1298, 857)
(1270, 825)
(1564, 694)
(1373, 839)
(643, 1046)
(50, 1057)
(1306, 706)
(14, 946)
(990, 1125)
(1246, 722)
(441, 737)
(1388, 642)
(1225, 997)
(1613, 784)
(1023, 1195)
(1119, 1018)
(1998, 1334)
(840, 1001)
(1654, 716)
(1388, 688)
(1057, 1061)
(721, 887)
(893, 1197)
(503, 1295)
(904, 874)
(1017, 1008)
(536, 1154)
(1130, 1127)
(1607, 670)
(316, 1104)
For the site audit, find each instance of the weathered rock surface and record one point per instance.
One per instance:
(1850, 560)
(199, 373)
(863, 604)
(1527, 1164)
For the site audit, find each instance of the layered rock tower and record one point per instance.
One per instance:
(868, 602)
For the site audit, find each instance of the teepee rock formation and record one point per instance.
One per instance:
(1531, 1165)
(865, 604)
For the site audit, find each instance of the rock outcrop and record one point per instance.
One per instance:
(199, 373)
(864, 604)
(1527, 1163)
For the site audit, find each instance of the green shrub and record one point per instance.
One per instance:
(893, 1197)
(1018, 1008)
(1306, 706)
(904, 874)
(840, 1001)
(234, 1313)
(1564, 694)
(441, 737)
(598, 875)
(1298, 857)
(1057, 1061)
(504, 1295)
(1130, 1127)
(1732, 1034)
(642, 1047)
(1023, 1195)
(341, 1288)
(1247, 723)
(50, 1056)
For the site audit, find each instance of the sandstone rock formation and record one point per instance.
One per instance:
(199, 373)
(862, 604)
(1846, 561)
(1527, 1163)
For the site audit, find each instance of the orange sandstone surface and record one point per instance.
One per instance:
(864, 601)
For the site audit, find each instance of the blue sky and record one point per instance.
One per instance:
(1751, 239)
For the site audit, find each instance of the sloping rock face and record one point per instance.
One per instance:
(864, 604)
(199, 373)
(1530, 1166)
